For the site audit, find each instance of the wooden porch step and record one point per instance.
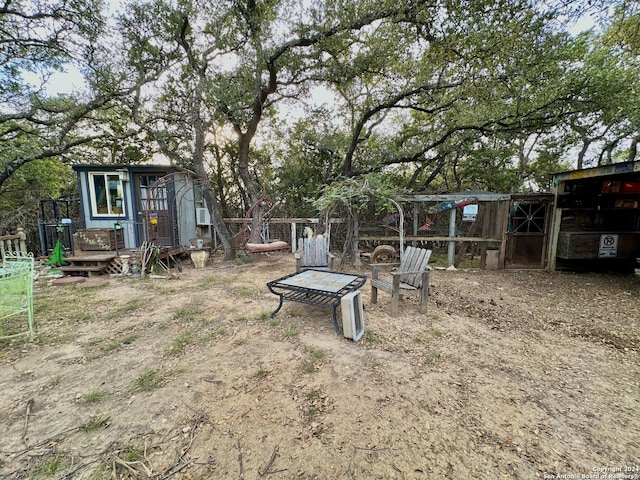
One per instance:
(91, 270)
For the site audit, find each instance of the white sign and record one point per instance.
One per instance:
(608, 245)
(469, 213)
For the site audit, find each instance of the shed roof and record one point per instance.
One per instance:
(131, 168)
(602, 171)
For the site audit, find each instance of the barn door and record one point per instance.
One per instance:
(528, 231)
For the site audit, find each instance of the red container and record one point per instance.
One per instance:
(630, 187)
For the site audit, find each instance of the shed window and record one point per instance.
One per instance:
(106, 194)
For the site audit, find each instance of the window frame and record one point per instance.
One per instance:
(110, 202)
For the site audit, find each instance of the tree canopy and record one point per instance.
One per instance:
(287, 98)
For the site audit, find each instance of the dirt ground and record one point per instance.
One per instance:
(510, 374)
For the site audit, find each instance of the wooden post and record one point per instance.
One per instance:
(415, 223)
(451, 248)
(506, 211)
(487, 217)
(22, 240)
(356, 253)
(294, 238)
(553, 241)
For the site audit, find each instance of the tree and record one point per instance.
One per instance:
(42, 131)
(311, 153)
(606, 121)
(240, 58)
(349, 199)
(465, 75)
(41, 39)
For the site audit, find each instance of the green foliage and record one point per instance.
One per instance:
(94, 397)
(49, 467)
(149, 380)
(356, 195)
(311, 156)
(541, 170)
(180, 343)
(21, 193)
(95, 423)
(624, 31)
(428, 99)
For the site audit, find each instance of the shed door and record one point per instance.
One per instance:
(527, 233)
(154, 203)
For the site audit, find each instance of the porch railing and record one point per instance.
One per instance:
(13, 243)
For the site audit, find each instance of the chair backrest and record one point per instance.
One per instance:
(414, 260)
(16, 291)
(18, 259)
(314, 252)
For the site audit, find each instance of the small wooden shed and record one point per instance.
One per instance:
(596, 220)
(126, 205)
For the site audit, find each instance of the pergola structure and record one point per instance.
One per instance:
(489, 223)
(511, 230)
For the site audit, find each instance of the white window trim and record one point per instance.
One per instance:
(92, 195)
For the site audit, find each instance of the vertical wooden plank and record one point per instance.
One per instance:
(415, 223)
(451, 247)
(424, 292)
(555, 234)
(505, 206)
(294, 238)
(395, 295)
(547, 226)
(487, 217)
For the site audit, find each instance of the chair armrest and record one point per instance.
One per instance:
(376, 266)
(416, 272)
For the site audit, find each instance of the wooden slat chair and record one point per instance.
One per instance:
(412, 276)
(313, 253)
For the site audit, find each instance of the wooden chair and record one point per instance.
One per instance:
(313, 253)
(412, 276)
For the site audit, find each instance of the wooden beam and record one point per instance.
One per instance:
(420, 238)
(481, 196)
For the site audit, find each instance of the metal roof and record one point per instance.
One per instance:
(604, 170)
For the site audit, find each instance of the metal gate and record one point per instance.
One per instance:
(528, 231)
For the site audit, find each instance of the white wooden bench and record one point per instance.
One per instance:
(412, 276)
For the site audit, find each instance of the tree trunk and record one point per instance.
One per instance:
(218, 224)
(585, 146)
(633, 150)
(252, 187)
(198, 163)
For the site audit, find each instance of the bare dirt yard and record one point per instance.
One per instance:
(510, 374)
